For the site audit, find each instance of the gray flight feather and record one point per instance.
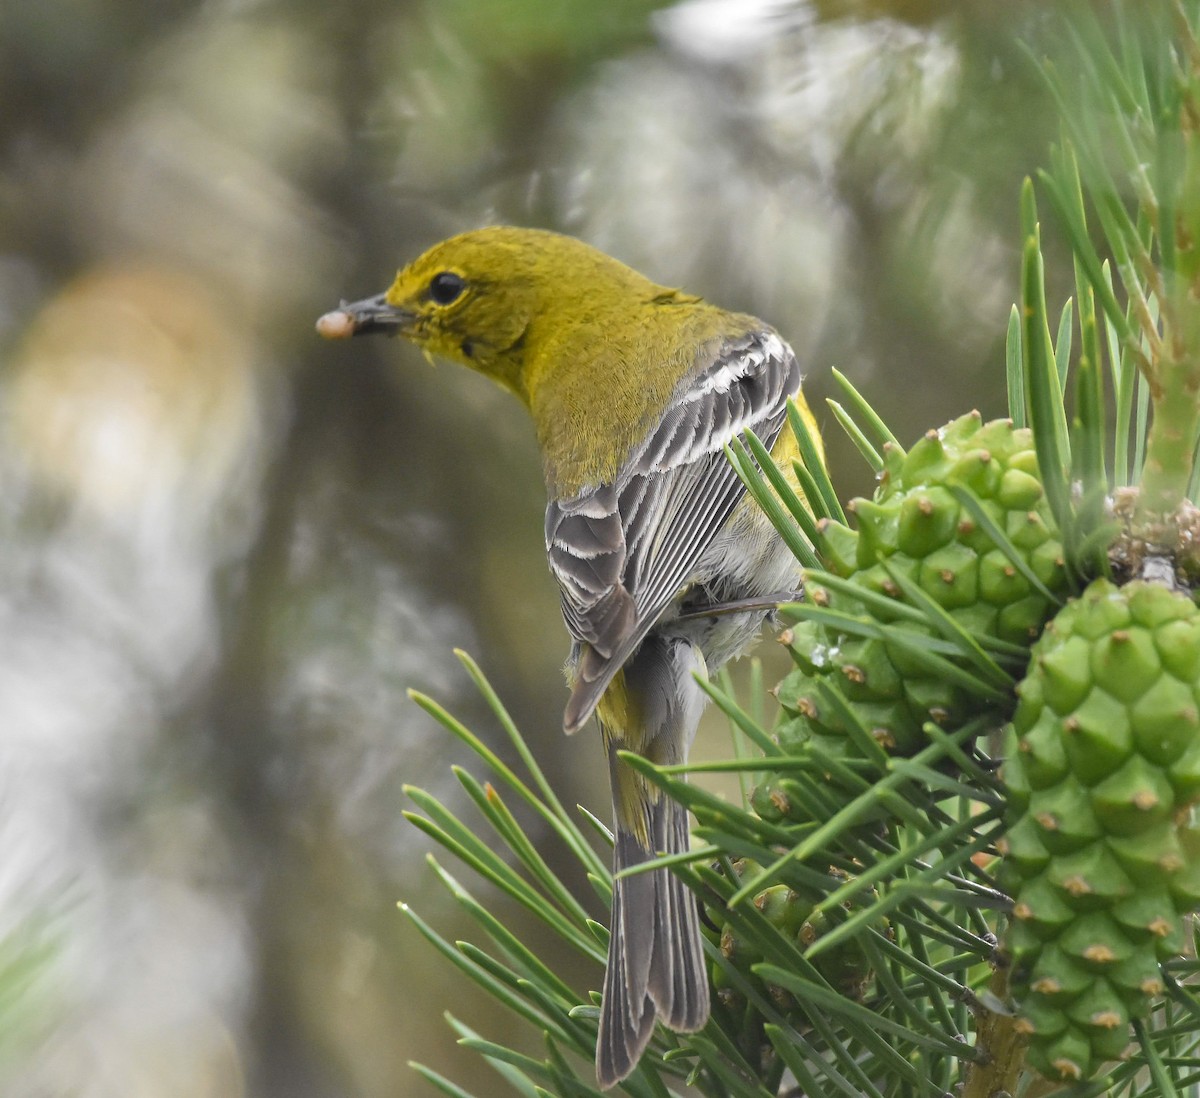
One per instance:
(622, 551)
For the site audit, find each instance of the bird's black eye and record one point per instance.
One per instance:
(445, 287)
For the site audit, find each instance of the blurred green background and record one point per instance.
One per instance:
(227, 548)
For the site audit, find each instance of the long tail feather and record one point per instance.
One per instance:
(656, 964)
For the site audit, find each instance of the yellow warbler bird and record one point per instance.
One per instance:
(634, 389)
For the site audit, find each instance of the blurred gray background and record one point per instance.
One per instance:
(227, 548)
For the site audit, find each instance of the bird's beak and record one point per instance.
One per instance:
(372, 314)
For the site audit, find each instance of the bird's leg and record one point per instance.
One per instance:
(737, 606)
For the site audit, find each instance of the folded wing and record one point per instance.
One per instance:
(622, 551)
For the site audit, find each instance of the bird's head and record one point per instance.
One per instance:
(483, 297)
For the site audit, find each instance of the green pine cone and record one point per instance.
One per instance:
(921, 532)
(845, 968)
(1100, 847)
